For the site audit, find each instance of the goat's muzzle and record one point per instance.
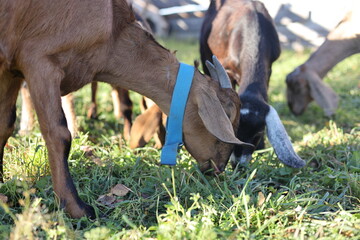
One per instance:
(211, 168)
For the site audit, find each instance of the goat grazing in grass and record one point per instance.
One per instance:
(59, 46)
(242, 35)
(305, 83)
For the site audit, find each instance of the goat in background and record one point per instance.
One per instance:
(242, 35)
(305, 84)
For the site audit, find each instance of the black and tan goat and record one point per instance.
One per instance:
(242, 35)
(305, 83)
(59, 46)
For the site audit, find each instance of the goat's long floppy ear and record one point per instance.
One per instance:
(280, 141)
(215, 119)
(218, 73)
(323, 94)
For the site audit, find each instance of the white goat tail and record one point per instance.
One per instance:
(280, 140)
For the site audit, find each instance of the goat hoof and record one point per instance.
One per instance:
(81, 210)
(90, 212)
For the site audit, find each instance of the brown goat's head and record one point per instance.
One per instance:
(209, 128)
(298, 90)
(304, 85)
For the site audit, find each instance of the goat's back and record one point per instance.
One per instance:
(61, 25)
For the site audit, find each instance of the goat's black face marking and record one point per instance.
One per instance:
(252, 125)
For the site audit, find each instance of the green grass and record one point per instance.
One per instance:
(264, 201)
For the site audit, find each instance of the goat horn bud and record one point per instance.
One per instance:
(212, 71)
(221, 73)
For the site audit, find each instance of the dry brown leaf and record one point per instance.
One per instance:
(3, 198)
(88, 150)
(120, 190)
(106, 199)
(109, 200)
(261, 199)
(98, 161)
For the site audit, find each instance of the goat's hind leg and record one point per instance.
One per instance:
(9, 89)
(92, 111)
(123, 108)
(44, 89)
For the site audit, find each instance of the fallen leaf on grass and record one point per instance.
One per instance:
(106, 199)
(88, 150)
(261, 199)
(120, 190)
(3, 198)
(98, 161)
(109, 200)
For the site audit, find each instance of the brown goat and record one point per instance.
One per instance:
(242, 35)
(305, 83)
(59, 46)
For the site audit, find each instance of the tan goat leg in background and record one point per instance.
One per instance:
(122, 106)
(44, 87)
(9, 89)
(67, 103)
(147, 125)
(27, 112)
(92, 111)
(143, 128)
(28, 117)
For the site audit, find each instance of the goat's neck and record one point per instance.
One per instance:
(255, 78)
(137, 62)
(331, 53)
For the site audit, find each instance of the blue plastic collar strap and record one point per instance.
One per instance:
(173, 139)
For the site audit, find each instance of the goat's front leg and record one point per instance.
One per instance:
(44, 89)
(123, 108)
(9, 89)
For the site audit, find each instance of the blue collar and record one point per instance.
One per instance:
(173, 139)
